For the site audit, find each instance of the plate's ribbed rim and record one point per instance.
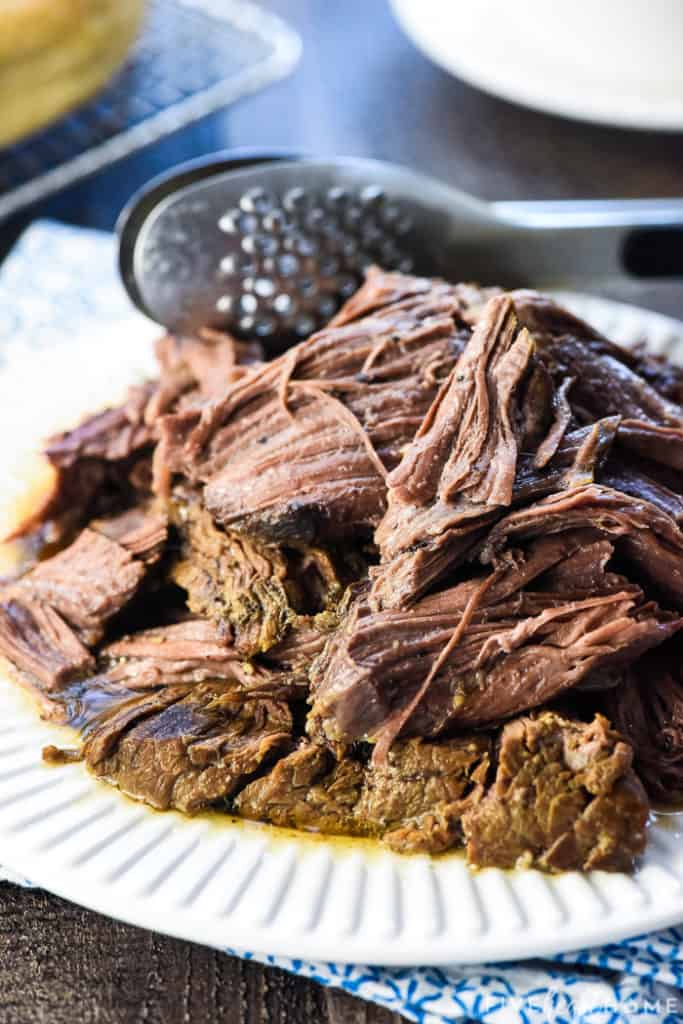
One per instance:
(233, 885)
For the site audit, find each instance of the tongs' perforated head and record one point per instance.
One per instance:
(270, 250)
(291, 259)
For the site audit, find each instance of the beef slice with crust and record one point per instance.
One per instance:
(414, 801)
(564, 797)
(186, 748)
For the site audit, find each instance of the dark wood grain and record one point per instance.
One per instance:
(361, 88)
(61, 964)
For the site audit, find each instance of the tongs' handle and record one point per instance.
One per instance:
(648, 232)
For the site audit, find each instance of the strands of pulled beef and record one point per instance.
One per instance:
(293, 589)
(647, 707)
(37, 641)
(91, 580)
(460, 470)
(190, 651)
(53, 614)
(300, 449)
(644, 534)
(546, 618)
(444, 500)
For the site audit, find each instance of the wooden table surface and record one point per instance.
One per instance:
(361, 88)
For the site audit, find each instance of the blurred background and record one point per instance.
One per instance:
(364, 77)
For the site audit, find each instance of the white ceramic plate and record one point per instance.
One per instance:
(616, 62)
(243, 886)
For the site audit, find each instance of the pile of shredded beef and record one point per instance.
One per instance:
(420, 578)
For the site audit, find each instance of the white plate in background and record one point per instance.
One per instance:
(251, 887)
(614, 61)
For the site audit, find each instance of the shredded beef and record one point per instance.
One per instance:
(466, 445)
(461, 465)
(37, 640)
(238, 583)
(384, 291)
(140, 530)
(578, 459)
(293, 657)
(483, 650)
(647, 536)
(662, 445)
(104, 464)
(647, 707)
(192, 651)
(665, 376)
(300, 448)
(564, 796)
(605, 385)
(112, 435)
(292, 589)
(414, 802)
(255, 590)
(87, 583)
(633, 479)
(196, 370)
(186, 748)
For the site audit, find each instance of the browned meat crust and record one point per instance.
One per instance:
(551, 801)
(186, 748)
(564, 796)
(414, 802)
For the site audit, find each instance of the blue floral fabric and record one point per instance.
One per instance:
(637, 980)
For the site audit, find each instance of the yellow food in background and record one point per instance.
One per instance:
(28, 492)
(54, 54)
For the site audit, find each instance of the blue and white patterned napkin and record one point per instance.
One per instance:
(54, 281)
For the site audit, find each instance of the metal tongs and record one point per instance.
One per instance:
(269, 245)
